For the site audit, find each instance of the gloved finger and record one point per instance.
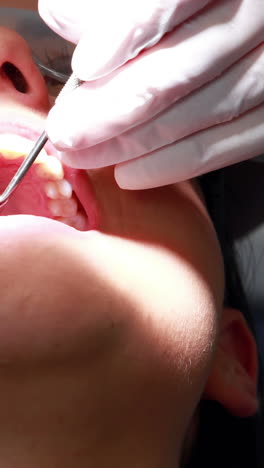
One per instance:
(64, 18)
(235, 92)
(205, 151)
(138, 26)
(184, 60)
(113, 32)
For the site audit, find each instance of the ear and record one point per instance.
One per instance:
(233, 378)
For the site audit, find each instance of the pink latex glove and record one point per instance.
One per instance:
(192, 101)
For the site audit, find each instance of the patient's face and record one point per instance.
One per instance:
(109, 309)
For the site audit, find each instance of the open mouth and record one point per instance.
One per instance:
(49, 189)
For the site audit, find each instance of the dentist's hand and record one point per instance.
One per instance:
(173, 88)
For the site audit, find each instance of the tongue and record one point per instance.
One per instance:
(29, 197)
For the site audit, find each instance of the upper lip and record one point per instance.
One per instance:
(79, 179)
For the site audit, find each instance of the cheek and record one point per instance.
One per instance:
(55, 284)
(168, 316)
(136, 316)
(163, 304)
(178, 326)
(171, 303)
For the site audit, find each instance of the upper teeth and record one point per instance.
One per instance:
(62, 203)
(13, 146)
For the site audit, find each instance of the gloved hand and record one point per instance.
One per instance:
(188, 102)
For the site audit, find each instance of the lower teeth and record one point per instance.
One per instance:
(63, 208)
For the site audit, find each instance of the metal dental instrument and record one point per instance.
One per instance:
(72, 83)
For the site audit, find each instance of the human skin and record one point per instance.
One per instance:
(108, 336)
(28, 4)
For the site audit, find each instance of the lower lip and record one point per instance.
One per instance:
(19, 230)
(19, 233)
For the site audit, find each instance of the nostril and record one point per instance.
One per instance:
(15, 76)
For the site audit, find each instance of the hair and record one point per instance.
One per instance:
(223, 439)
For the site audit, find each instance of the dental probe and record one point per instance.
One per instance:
(72, 83)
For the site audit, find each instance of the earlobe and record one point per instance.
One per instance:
(233, 377)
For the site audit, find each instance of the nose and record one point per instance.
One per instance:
(20, 79)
